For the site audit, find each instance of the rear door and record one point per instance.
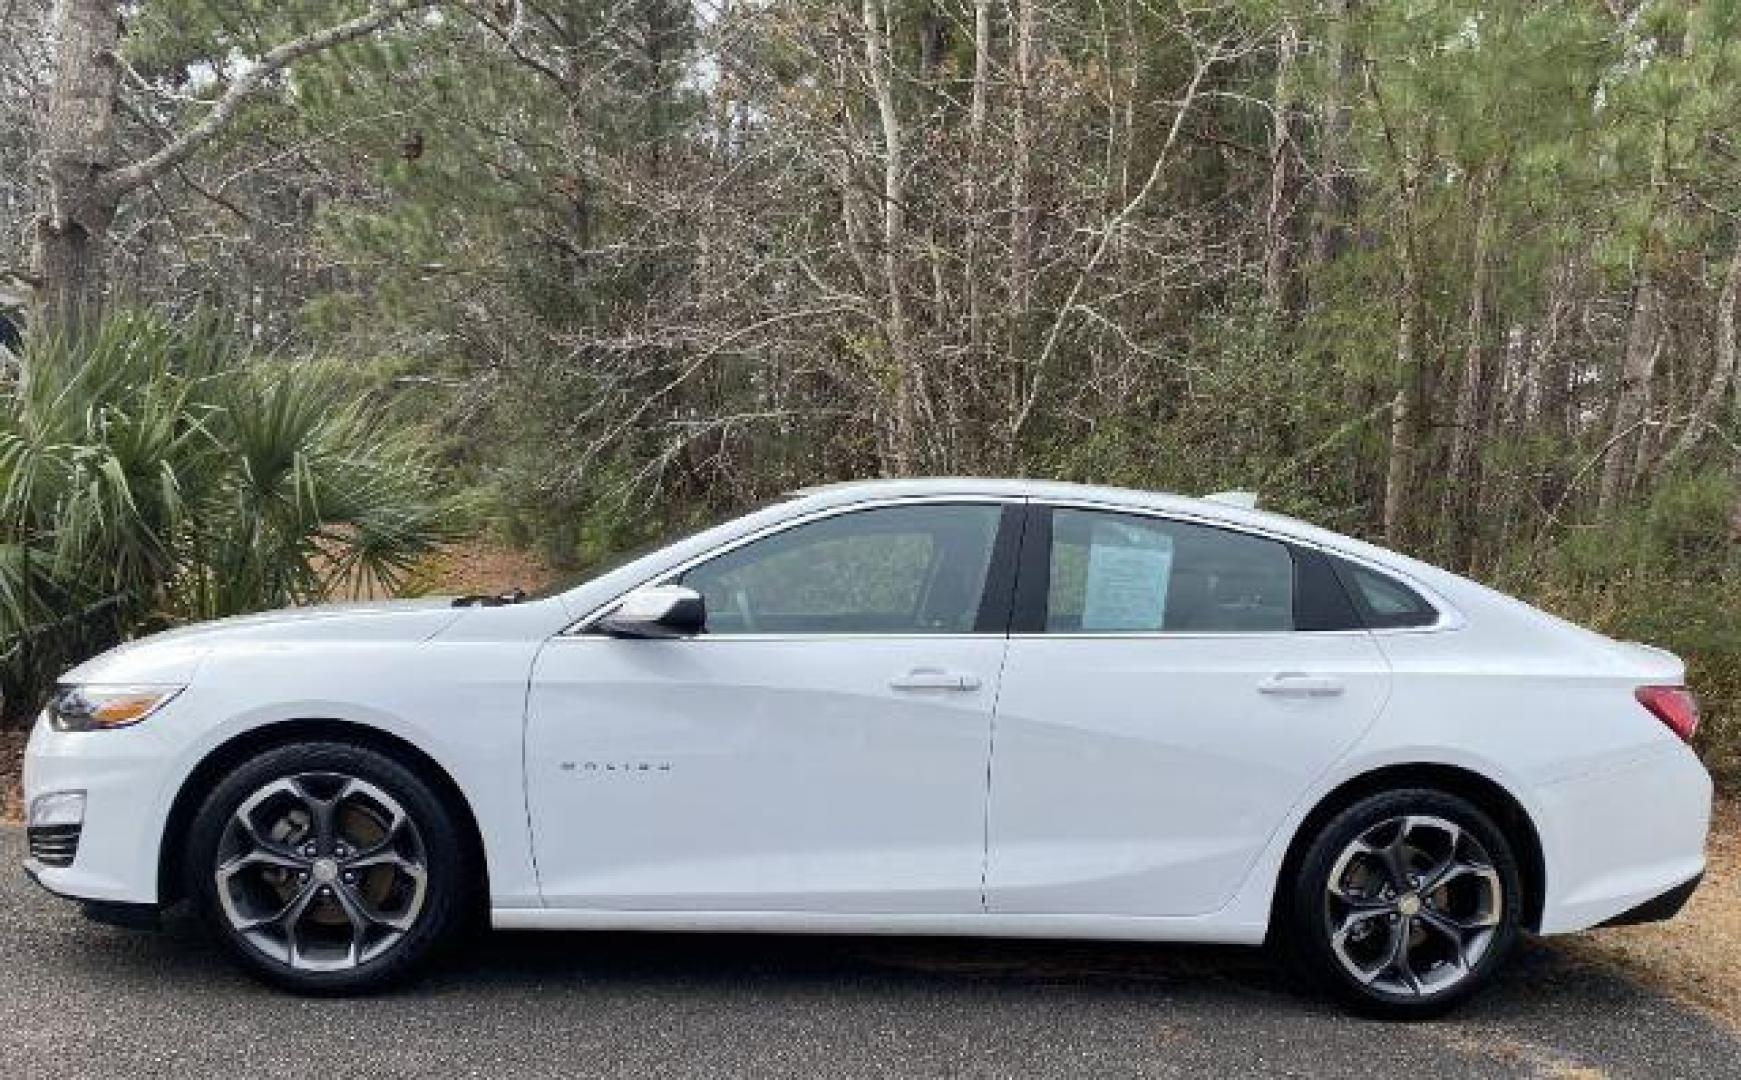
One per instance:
(822, 746)
(1171, 689)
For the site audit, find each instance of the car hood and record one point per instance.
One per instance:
(174, 654)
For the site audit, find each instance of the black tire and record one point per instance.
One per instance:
(441, 907)
(1397, 991)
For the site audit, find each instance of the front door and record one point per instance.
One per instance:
(1172, 694)
(822, 746)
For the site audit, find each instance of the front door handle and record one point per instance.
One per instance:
(934, 679)
(1299, 684)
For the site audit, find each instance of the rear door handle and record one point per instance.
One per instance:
(934, 679)
(1299, 684)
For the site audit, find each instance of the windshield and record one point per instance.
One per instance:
(623, 558)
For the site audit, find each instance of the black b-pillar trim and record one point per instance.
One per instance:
(1034, 579)
(1000, 577)
(1321, 600)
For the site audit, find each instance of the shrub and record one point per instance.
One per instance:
(151, 474)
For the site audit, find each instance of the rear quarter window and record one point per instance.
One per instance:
(1384, 603)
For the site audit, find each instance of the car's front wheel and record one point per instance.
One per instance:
(1406, 902)
(327, 867)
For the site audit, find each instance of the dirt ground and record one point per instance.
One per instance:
(474, 566)
(11, 784)
(1697, 955)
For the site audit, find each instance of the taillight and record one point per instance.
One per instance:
(1673, 705)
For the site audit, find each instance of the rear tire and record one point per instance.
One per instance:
(328, 868)
(1406, 903)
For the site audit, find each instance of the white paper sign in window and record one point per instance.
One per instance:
(1128, 569)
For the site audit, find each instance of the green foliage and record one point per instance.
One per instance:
(1692, 617)
(1681, 530)
(154, 474)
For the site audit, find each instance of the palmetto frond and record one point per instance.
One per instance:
(152, 474)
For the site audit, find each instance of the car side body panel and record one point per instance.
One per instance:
(459, 700)
(1537, 706)
(1143, 774)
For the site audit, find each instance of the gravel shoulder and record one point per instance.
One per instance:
(81, 1000)
(1697, 955)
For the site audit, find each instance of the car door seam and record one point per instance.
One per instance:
(526, 770)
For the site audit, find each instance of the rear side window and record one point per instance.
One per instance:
(1114, 572)
(1384, 603)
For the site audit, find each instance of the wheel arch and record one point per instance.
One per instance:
(1491, 797)
(255, 741)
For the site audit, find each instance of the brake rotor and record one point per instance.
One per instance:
(357, 827)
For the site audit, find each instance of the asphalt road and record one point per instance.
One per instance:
(82, 1000)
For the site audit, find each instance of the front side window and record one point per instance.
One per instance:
(893, 570)
(1119, 572)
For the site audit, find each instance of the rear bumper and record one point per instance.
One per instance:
(1624, 841)
(1659, 908)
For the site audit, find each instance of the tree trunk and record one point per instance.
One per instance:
(1406, 422)
(1278, 221)
(1335, 185)
(1021, 206)
(1548, 403)
(1632, 395)
(933, 40)
(1735, 511)
(1723, 363)
(975, 174)
(1469, 421)
(981, 437)
(70, 245)
(900, 451)
(83, 185)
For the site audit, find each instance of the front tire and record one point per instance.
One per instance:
(1406, 903)
(327, 867)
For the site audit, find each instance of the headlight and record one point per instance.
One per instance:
(94, 708)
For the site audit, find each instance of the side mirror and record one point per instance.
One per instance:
(658, 611)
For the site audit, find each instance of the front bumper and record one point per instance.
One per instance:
(110, 913)
(121, 775)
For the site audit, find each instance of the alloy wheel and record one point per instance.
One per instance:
(321, 871)
(1412, 906)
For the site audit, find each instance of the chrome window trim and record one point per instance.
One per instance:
(857, 635)
(1175, 635)
(580, 627)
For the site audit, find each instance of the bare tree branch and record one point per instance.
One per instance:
(142, 172)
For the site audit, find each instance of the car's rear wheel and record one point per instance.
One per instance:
(1406, 903)
(327, 867)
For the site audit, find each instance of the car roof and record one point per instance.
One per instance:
(857, 490)
(827, 495)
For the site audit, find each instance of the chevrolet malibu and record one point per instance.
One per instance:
(909, 707)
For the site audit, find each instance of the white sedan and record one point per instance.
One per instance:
(908, 707)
